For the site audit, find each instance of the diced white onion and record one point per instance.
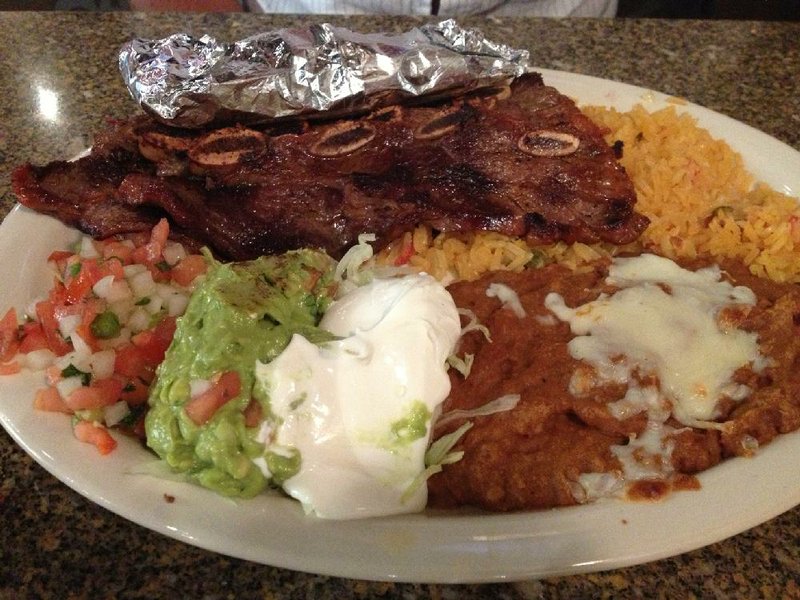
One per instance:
(198, 386)
(103, 287)
(177, 304)
(80, 345)
(79, 361)
(102, 364)
(68, 324)
(154, 305)
(88, 249)
(142, 284)
(123, 338)
(68, 385)
(165, 290)
(115, 413)
(124, 334)
(122, 309)
(120, 291)
(139, 320)
(131, 271)
(173, 253)
(37, 359)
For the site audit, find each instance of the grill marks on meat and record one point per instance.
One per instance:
(82, 193)
(457, 166)
(531, 456)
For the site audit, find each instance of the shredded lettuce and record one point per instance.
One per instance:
(438, 455)
(439, 452)
(473, 324)
(462, 365)
(501, 404)
(349, 270)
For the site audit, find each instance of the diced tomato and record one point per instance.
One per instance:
(48, 399)
(60, 258)
(33, 338)
(112, 266)
(102, 392)
(154, 342)
(253, 413)
(10, 368)
(87, 336)
(150, 252)
(135, 392)
(202, 407)
(117, 249)
(231, 383)
(406, 251)
(9, 336)
(66, 310)
(160, 271)
(59, 255)
(188, 269)
(58, 293)
(110, 389)
(139, 238)
(95, 434)
(79, 286)
(313, 277)
(84, 329)
(45, 311)
(135, 363)
(130, 361)
(84, 397)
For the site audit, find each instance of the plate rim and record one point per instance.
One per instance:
(506, 547)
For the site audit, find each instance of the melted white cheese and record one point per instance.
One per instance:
(662, 337)
(663, 322)
(507, 296)
(342, 405)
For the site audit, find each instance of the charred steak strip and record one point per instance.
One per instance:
(526, 163)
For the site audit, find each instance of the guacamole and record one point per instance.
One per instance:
(241, 313)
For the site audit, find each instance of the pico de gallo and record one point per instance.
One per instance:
(103, 329)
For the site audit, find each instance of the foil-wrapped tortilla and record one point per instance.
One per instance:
(320, 71)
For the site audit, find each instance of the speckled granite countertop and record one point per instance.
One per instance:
(56, 544)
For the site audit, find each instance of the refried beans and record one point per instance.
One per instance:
(533, 456)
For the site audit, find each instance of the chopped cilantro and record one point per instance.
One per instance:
(73, 371)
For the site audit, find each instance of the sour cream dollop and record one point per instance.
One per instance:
(358, 410)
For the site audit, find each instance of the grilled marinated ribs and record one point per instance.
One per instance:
(522, 161)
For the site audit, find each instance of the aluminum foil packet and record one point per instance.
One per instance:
(320, 71)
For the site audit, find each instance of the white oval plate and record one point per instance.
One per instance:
(445, 547)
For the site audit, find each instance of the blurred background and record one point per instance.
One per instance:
(760, 10)
(785, 10)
